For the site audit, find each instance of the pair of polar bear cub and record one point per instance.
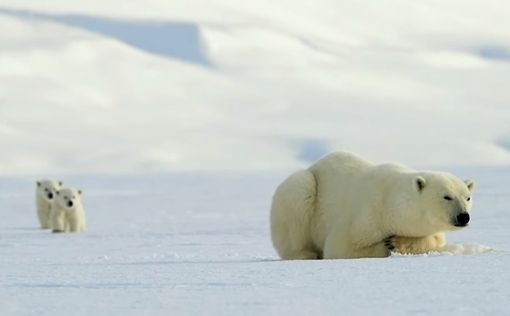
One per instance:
(346, 207)
(59, 208)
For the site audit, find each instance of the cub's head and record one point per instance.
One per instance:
(46, 189)
(445, 201)
(68, 198)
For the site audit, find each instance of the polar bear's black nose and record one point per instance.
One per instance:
(50, 195)
(70, 203)
(462, 219)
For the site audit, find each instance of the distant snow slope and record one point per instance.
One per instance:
(179, 40)
(198, 244)
(110, 86)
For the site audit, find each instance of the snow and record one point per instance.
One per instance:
(197, 243)
(179, 118)
(181, 40)
(222, 84)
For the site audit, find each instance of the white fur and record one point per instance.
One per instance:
(346, 207)
(44, 194)
(65, 218)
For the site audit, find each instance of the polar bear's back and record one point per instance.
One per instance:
(345, 168)
(339, 171)
(345, 180)
(341, 161)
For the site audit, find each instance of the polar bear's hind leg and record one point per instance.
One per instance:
(291, 212)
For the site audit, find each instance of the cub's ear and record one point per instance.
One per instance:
(419, 183)
(80, 192)
(38, 183)
(60, 183)
(470, 184)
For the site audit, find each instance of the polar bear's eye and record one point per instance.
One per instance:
(448, 198)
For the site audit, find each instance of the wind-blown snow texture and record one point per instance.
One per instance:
(198, 244)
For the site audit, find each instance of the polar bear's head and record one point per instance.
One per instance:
(444, 200)
(46, 189)
(68, 198)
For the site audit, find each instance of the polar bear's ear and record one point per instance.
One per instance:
(470, 184)
(419, 183)
(38, 183)
(60, 183)
(80, 192)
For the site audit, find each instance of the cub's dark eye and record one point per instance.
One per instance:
(469, 199)
(447, 197)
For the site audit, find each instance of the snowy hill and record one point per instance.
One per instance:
(105, 86)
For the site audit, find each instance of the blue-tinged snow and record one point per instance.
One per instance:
(495, 52)
(198, 244)
(179, 40)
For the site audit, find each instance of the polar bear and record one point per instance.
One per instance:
(44, 194)
(67, 213)
(346, 207)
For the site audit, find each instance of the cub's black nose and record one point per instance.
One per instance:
(462, 219)
(50, 196)
(70, 203)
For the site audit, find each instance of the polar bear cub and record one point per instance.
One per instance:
(346, 207)
(67, 213)
(44, 195)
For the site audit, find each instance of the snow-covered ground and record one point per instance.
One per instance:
(198, 244)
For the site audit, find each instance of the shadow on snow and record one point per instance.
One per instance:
(176, 40)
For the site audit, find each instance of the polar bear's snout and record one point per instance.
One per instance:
(70, 204)
(48, 193)
(462, 219)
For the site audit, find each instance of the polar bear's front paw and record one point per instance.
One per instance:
(389, 242)
(403, 245)
(416, 245)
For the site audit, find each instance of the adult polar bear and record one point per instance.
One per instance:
(346, 207)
